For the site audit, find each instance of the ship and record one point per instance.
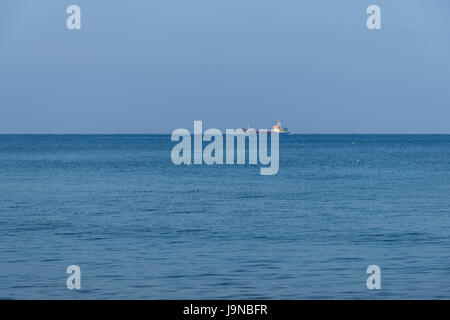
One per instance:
(279, 128)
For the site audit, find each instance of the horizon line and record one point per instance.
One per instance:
(304, 133)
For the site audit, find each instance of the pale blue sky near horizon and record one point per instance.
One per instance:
(151, 66)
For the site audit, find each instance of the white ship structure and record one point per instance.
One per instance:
(279, 128)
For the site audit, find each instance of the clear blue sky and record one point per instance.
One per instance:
(151, 66)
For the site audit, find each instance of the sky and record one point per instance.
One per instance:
(151, 66)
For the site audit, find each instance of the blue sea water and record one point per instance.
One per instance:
(141, 227)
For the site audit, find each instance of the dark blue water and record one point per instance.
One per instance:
(140, 227)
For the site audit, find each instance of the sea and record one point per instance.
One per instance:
(140, 227)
